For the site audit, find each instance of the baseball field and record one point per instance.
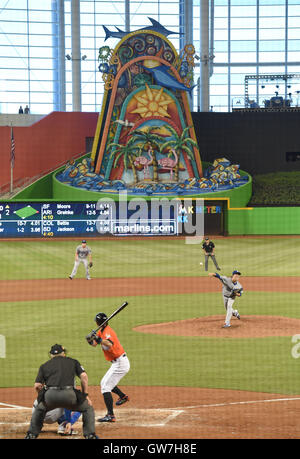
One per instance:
(189, 377)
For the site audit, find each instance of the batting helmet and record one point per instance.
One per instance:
(100, 318)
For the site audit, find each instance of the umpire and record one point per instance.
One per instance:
(55, 386)
(209, 251)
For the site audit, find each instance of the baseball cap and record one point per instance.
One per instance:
(207, 238)
(83, 241)
(57, 349)
(236, 272)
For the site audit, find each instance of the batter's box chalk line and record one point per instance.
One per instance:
(146, 417)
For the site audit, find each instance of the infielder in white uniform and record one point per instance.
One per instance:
(114, 352)
(83, 254)
(231, 289)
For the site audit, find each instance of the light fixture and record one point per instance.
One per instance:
(68, 57)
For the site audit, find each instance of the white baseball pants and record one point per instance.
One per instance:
(228, 303)
(86, 265)
(119, 368)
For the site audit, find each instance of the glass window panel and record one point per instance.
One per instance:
(272, 10)
(13, 74)
(40, 16)
(294, 56)
(41, 97)
(6, 27)
(220, 34)
(14, 85)
(40, 28)
(221, 3)
(41, 108)
(271, 57)
(36, 4)
(221, 12)
(237, 89)
(272, 45)
(218, 90)
(41, 86)
(40, 40)
(13, 63)
(242, 2)
(243, 11)
(89, 66)
(272, 23)
(271, 34)
(86, 7)
(294, 10)
(87, 31)
(42, 63)
(13, 51)
(272, 2)
(86, 19)
(294, 45)
(13, 40)
(41, 52)
(13, 15)
(241, 23)
(294, 33)
(243, 57)
(221, 58)
(243, 45)
(221, 23)
(294, 22)
(14, 4)
(269, 70)
(220, 46)
(14, 96)
(40, 74)
(219, 79)
(243, 34)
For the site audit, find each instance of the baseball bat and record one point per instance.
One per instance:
(114, 314)
(109, 318)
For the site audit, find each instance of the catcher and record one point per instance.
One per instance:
(231, 289)
(83, 254)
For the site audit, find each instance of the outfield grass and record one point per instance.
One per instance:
(261, 364)
(150, 257)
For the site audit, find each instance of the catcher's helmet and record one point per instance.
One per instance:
(100, 318)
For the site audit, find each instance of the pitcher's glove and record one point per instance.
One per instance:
(90, 264)
(235, 292)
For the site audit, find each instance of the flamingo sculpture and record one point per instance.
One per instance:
(145, 162)
(169, 163)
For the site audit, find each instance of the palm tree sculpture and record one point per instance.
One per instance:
(180, 143)
(151, 141)
(128, 152)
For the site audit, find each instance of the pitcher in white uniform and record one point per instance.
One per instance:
(83, 254)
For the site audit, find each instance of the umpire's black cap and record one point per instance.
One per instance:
(57, 349)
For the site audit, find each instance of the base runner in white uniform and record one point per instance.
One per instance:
(83, 254)
(231, 289)
(114, 352)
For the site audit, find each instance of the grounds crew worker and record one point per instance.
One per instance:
(55, 386)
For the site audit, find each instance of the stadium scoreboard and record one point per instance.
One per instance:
(136, 217)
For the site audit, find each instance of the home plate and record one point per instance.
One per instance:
(145, 417)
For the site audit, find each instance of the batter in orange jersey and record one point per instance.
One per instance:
(114, 352)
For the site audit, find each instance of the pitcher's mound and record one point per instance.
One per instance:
(211, 326)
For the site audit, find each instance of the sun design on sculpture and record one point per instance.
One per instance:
(152, 102)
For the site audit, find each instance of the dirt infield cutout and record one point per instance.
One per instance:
(211, 326)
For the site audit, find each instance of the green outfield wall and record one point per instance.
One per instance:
(263, 220)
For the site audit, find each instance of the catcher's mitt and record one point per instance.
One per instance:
(90, 264)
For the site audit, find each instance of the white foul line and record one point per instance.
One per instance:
(248, 402)
(7, 405)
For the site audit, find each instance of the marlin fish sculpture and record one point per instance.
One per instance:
(164, 79)
(156, 27)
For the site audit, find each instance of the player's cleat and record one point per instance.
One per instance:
(226, 326)
(107, 418)
(122, 400)
(70, 277)
(61, 428)
(236, 314)
(91, 437)
(30, 436)
(88, 278)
